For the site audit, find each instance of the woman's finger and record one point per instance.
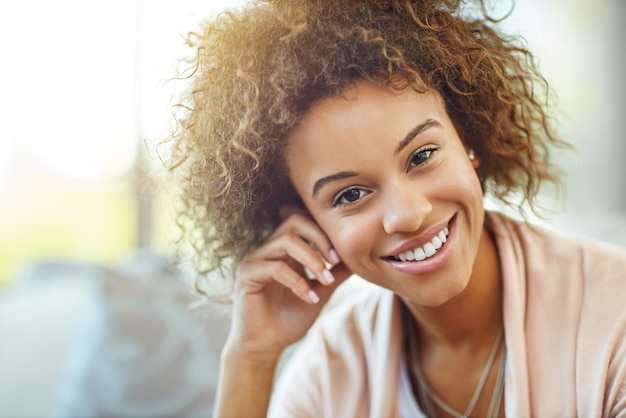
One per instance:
(341, 273)
(299, 222)
(293, 246)
(255, 275)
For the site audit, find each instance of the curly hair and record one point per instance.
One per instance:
(259, 69)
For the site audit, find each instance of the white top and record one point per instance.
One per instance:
(407, 405)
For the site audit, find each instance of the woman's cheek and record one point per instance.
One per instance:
(353, 240)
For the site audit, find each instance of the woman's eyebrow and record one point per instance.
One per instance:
(333, 177)
(428, 123)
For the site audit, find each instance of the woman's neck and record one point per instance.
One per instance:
(475, 315)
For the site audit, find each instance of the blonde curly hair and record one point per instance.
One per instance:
(258, 70)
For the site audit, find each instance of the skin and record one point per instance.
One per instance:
(404, 198)
(380, 172)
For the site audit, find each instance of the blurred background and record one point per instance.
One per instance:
(85, 229)
(85, 99)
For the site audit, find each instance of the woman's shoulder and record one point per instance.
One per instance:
(356, 307)
(543, 247)
(358, 317)
(566, 317)
(336, 364)
(562, 273)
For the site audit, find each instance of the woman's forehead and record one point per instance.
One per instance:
(363, 101)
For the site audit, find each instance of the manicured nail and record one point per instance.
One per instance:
(334, 257)
(313, 296)
(328, 276)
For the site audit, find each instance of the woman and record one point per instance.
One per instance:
(358, 138)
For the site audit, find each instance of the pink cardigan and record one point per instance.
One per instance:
(565, 324)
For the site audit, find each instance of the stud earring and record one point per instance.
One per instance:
(471, 155)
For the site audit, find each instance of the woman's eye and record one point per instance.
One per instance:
(421, 157)
(348, 196)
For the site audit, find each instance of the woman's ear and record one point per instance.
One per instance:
(471, 154)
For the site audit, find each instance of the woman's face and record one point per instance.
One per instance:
(386, 176)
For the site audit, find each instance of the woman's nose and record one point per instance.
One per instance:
(404, 210)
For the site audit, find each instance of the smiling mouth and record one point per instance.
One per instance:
(427, 250)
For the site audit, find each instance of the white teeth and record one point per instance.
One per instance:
(428, 250)
(410, 256)
(419, 254)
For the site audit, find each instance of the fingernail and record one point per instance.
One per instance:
(313, 296)
(328, 276)
(334, 257)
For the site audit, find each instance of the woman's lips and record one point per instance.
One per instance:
(427, 250)
(426, 257)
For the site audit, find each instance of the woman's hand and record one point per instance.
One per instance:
(275, 303)
(274, 306)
